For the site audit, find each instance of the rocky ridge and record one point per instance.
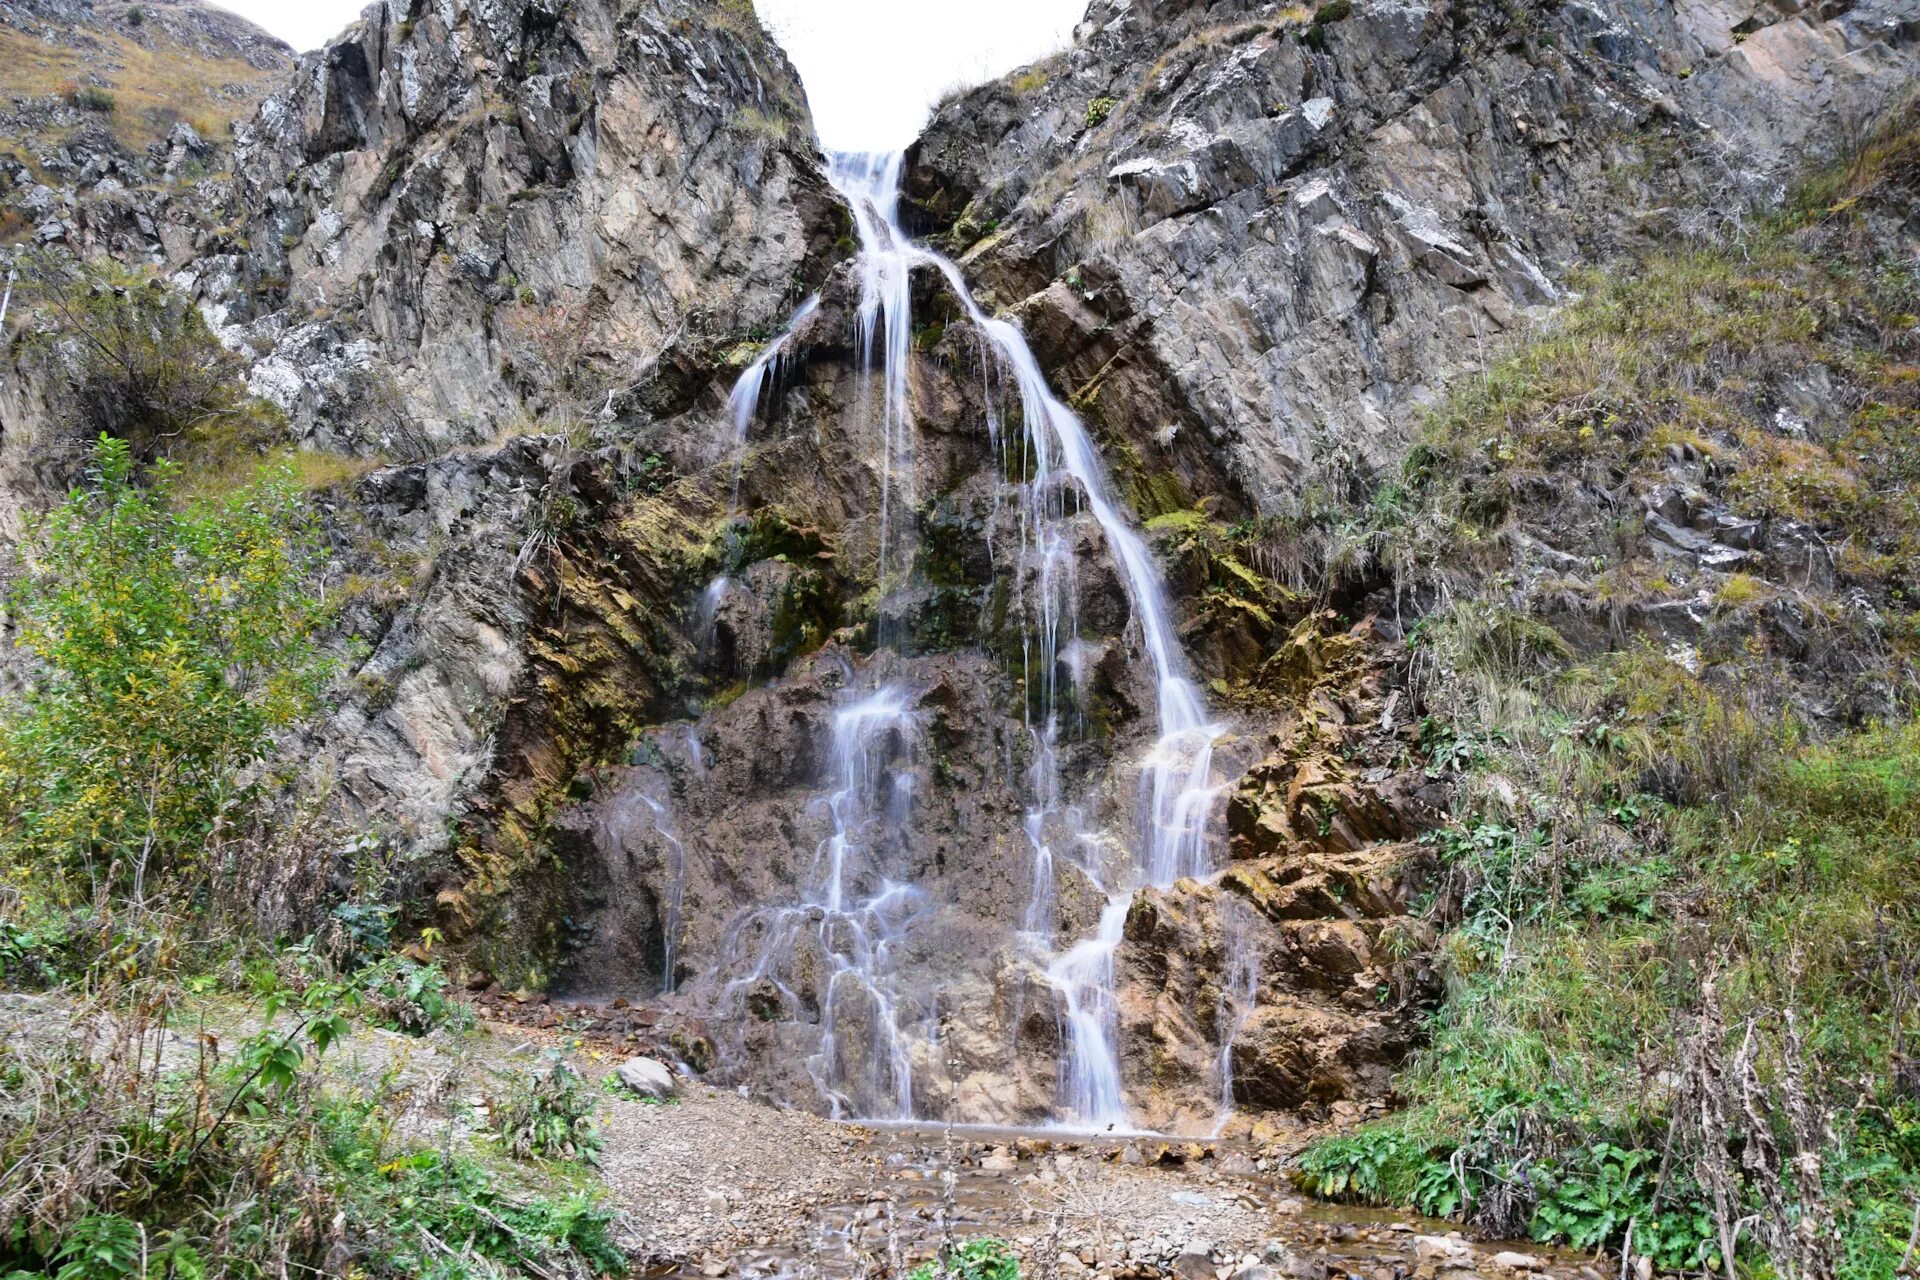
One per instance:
(1300, 225)
(507, 260)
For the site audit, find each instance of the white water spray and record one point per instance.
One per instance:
(853, 917)
(1178, 787)
(1238, 993)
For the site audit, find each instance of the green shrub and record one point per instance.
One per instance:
(252, 1165)
(39, 952)
(172, 641)
(1379, 1165)
(1591, 1200)
(546, 1113)
(143, 366)
(412, 997)
(1099, 109)
(983, 1259)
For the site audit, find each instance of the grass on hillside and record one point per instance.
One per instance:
(1684, 952)
(149, 89)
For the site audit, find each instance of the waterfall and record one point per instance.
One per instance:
(676, 883)
(1238, 993)
(871, 186)
(744, 401)
(852, 917)
(1177, 786)
(1061, 476)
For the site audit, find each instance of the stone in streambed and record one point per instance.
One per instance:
(646, 1077)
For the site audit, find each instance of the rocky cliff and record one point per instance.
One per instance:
(619, 703)
(1296, 226)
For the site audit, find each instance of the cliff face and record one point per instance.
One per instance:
(116, 123)
(1297, 227)
(481, 223)
(523, 208)
(500, 263)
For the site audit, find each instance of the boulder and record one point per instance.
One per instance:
(648, 1078)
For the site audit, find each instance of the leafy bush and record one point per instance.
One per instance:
(142, 366)
(172, 641)
(1603, 1191)
(1383, 1165)
(983, 1259)
(40, 951)
(546, 1113)
(1098, 110)
(246, 1164)
(412, 997)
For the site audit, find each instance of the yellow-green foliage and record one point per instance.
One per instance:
(1031, 80)
(150, 85)
(170, 642)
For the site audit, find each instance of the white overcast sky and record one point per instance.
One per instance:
(871, 67)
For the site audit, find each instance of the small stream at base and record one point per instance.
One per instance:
(1047, 1197)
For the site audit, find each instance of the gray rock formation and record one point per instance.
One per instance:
(502, 260)
(486, 215)
(1299, 227)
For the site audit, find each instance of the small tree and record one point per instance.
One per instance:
(144, 366)
(173, 640)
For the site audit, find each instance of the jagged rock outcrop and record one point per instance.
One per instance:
(649, 776)
(464, 217)
(1299, 226)
(118, 126)
(473, 223)
(501, 262)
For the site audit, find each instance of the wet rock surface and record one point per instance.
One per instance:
(718, 1186)
(511, 258)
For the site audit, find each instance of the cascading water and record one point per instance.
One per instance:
(1237, 994)
(871, 185)
(744, 400)
(1061, 478)
(676, 884)
(1177, 787)
(853, 917)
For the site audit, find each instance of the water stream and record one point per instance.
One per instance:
(1238, 992)
(1061, 480)
(851, 918)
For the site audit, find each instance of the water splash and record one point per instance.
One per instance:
(852, 918)
(1061, 478)
(744, 400)
(1238, 993)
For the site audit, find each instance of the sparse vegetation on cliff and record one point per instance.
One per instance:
(1685, 935)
